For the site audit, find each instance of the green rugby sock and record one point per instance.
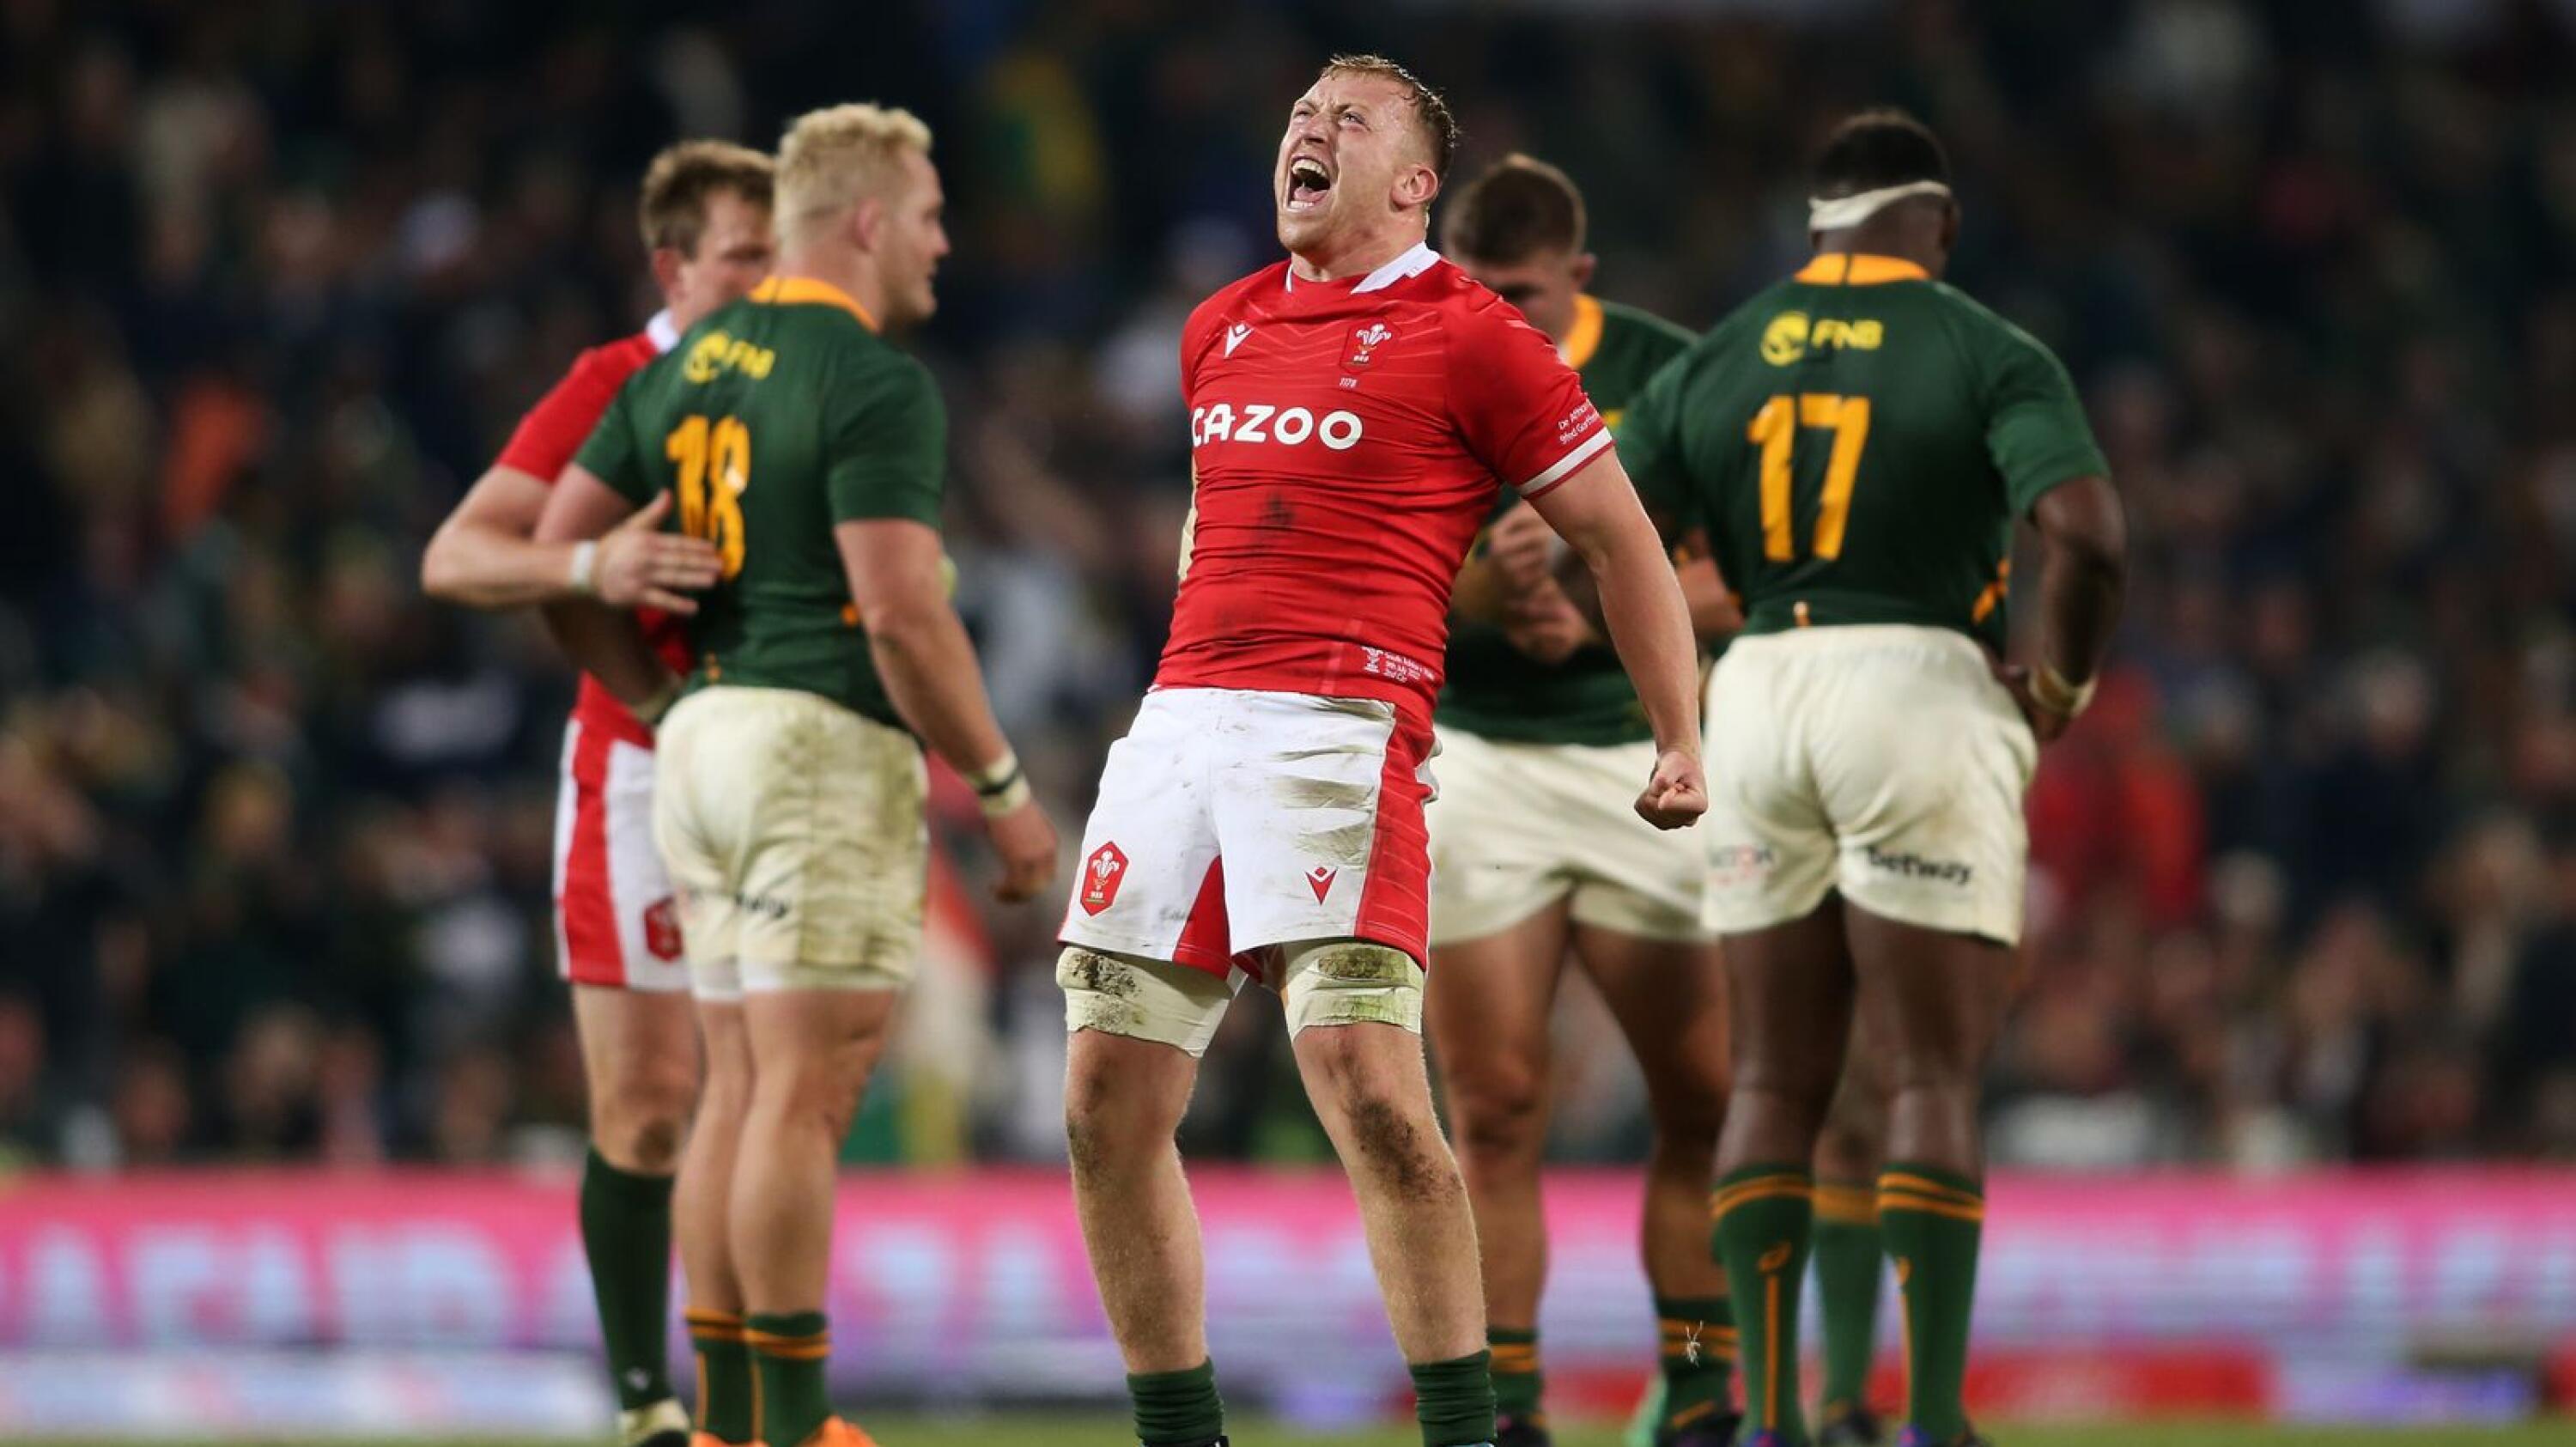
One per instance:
(1177, 1409)
(1698, 1357)
(789, 1352)
(1454, 1401)
(626, 1235)
(1934, 1220)
(1764, 1217)
(728, 1403)
(1849, 1254)
(1519, 1384)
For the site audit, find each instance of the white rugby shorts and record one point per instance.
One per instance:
(1230, 820)
(616, 924)
(1881, 760)
(797, 833)
(1520, 827)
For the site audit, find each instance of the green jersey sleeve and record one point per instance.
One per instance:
(888, 444)
(2035, 427)
(610, 454)
(1651, 449)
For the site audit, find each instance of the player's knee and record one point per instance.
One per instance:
(641, 1118)
(1107, 1121)
(1499, 1107)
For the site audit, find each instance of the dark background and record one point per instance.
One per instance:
(277, 278)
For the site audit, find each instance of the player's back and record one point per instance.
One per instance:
(772, 420)
(1857, 441)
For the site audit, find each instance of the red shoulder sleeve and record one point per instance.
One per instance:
(1197, 334)
(1522, 410)
(562, 420)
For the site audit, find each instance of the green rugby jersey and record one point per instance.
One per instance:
(1493, 689)
(1857, 441)
(772, 420)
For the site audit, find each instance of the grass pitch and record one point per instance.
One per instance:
(1108, 1431)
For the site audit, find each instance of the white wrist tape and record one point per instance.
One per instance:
(1000, 786)
(585, 569)
(2051, 691)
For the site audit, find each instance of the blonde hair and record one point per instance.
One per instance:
(831, 158)
(671, 210)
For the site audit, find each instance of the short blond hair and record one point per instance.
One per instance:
(1439, 126)
(671, 209)
(831, 158)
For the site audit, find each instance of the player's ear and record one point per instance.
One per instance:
(667, 261)
(868, 222)
(1950, 228)
(1416, 185)
(1584, 266)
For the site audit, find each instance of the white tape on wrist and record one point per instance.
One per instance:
(1000, 786)
(585, 569)
(2051, 691)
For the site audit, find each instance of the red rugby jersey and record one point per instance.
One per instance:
(1348, 438)
(546, 440)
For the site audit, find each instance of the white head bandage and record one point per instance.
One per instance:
(1843, 211)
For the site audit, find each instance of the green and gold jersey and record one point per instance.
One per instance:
(1857, 441)
(1498, 692)
(772, 420)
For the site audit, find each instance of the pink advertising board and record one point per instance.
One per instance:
(943, 1281)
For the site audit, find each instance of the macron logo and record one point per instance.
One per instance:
(1234, 336)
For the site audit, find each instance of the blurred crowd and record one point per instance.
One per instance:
(278, 276)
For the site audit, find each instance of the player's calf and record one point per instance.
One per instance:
(1128, 1074)
(1370, 1088)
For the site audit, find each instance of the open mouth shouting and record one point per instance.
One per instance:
(1309, 180)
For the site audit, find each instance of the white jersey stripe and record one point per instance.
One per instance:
(1566, 465)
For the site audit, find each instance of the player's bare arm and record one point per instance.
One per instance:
(1597, 513)
(2085, 567)
(486, 555)
(928, 663)
(602, 639)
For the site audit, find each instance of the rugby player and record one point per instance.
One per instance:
(1538, 721)
(1352, 412)
(705, 216)
(790, 793)
(1855, 445)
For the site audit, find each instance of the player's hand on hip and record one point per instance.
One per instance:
(1677, 794)
(640, 566)
(1025, 839)
(1522, 547)
(2046, 724)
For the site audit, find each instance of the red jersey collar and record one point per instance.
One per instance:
(1412, 263)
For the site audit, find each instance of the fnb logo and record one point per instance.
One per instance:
(1101, 875)
(717, 353)
(1261, 422)
(1365, 341)
(1789, 335)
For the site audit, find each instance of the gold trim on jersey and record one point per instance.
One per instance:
(792, 290)
(1583, 336)
(1850, 268)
